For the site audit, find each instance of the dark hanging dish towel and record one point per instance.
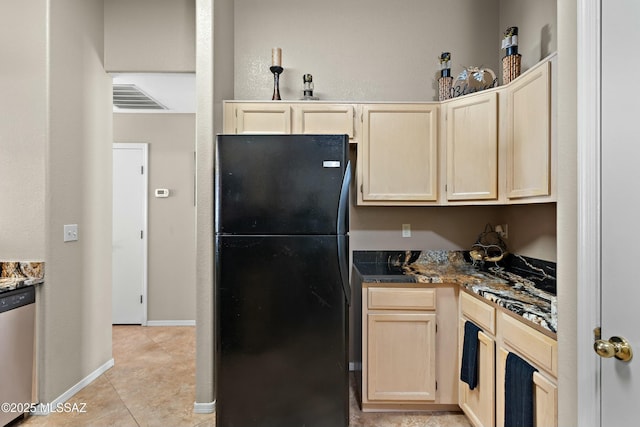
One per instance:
(469, 365)
(518, 392)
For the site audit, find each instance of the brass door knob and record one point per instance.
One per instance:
(617, 347)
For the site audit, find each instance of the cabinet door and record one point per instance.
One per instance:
(324, 119)
(472, 147)
(398, 153)
(401, 357)
(529, 135)
(269, 118)
(545, 395)
(546, 404)
(478, 404)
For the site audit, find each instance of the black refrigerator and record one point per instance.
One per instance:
(281, 280)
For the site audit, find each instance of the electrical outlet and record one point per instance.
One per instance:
(503, 230)
(70, 232)
(406, 230)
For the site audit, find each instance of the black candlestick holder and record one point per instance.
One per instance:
(276, 70)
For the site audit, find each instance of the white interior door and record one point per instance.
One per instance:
(620, 209)
(129, 250)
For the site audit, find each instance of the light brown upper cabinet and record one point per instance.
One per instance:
(279, 117)
(529, 134)
(257, 118)
(313, 118)
(487, 148)
(472, 147)
(398, 154)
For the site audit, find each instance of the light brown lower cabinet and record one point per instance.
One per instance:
(408, 337)
(545, 395)
(401, 356)
(479, 404)
(503, 333)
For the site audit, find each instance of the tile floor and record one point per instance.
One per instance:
(152, 384)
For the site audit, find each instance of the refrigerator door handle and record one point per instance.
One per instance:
(343, 204)
(342, 226)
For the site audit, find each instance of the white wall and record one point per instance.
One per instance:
(149, 35)
(171, 273)
(23, 121)
(360, 50)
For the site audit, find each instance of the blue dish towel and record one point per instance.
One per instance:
(469, 365)
(518, 392)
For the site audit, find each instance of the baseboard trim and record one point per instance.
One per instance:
(204, 408)
(171, 323)
(45, 408)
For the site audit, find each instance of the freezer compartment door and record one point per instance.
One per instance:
(282, 325)
(279, 184)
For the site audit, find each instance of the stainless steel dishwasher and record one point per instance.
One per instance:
(17, 330)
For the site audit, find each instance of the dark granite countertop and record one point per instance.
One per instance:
(15, 275)
(521, 285)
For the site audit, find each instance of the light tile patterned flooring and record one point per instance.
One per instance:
(153, 384)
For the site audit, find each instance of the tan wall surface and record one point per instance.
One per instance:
(567, 215)
(171, 221)
(360, 50)
(532, 230)
(149, 35)
(23, 123)
(74, 319)
(537, 23)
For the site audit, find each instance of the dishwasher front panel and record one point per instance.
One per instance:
(17, 340)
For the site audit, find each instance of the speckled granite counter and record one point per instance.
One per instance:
(14, 275)
(521, 285)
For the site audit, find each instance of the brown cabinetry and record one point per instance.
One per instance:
(542, 353)
(472, 147)
(529, 155)
(503, 333)
(290, 117)
(408, 336)
(398, 154)
(492, 147)
(479, 404)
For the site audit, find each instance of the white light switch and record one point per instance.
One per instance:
(406, 230)
(162, 192)
(70, 232)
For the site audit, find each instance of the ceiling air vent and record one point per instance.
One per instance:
(130, 97)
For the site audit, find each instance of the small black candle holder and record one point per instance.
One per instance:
(276, 70)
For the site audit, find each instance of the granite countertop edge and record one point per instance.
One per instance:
(506, 290)
(20, 274)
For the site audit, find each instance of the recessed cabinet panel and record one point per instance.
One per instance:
(263, 118)
(529, 135)
(546, 401)
(545, 395)
(401, 357)
(472, 148)
(478, 404)
(324, 119)
(531, 344)
(407, 299)
(398, 153)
